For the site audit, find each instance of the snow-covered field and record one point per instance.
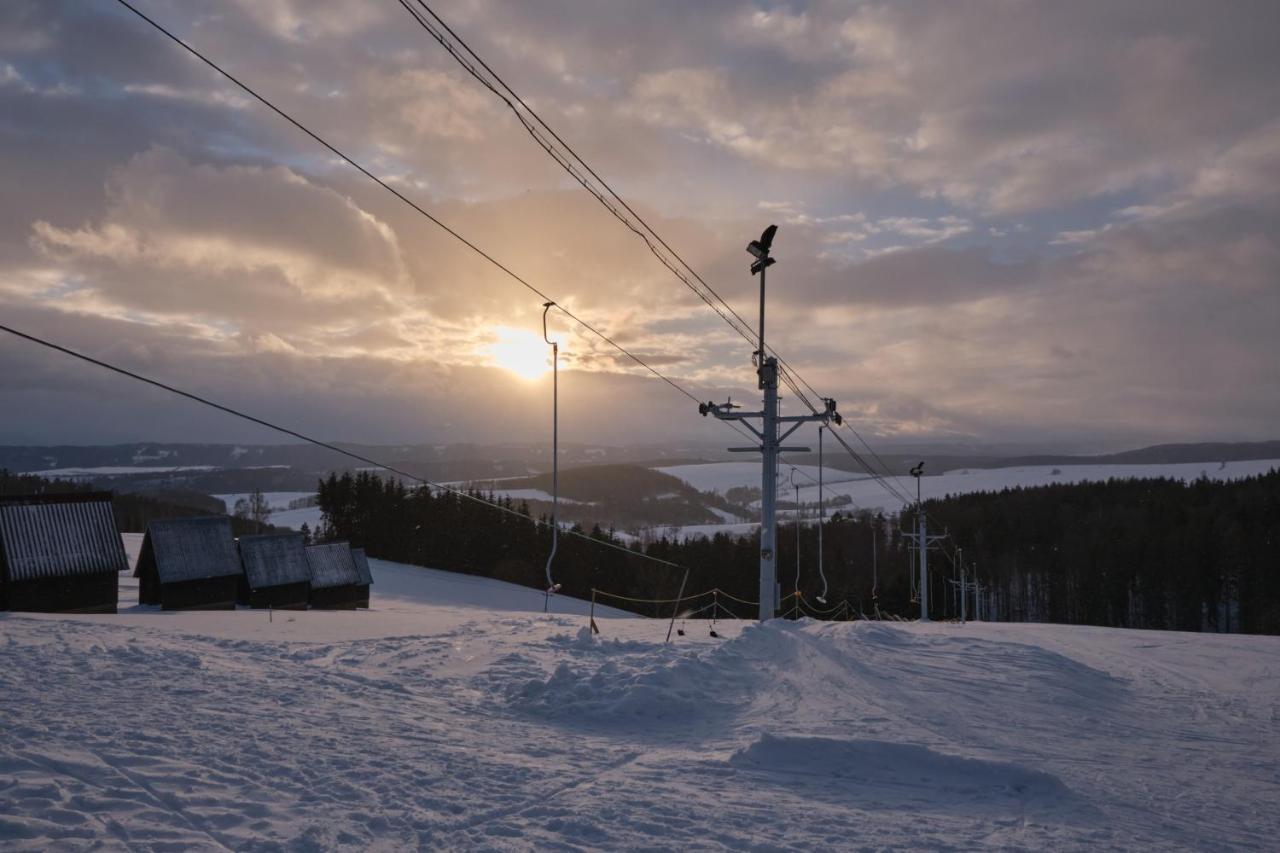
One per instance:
(722, 476)
(455, 715)
(117, 470)
(281, 515)
(275, 500)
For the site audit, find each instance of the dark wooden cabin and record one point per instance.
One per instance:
(189, 564)
(60, 553)
(276, 573)
(366, 574)
(336, 582)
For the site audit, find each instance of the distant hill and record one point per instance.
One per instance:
(295, 466)
(1160, 454)
(626, 496)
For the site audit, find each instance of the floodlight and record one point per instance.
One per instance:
(760, 248)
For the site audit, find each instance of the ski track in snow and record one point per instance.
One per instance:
(456, 725)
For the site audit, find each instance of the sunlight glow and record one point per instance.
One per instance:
(523, 353)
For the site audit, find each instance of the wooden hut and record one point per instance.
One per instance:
(336, 582)
(60, 553)
(366, 574)
(276, 573)
(189, 564)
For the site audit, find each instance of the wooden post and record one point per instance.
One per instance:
(676, 610)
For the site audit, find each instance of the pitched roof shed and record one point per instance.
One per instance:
(332, 565)
(274, 559)
(48, 536)
(190, 549)
(362, 566)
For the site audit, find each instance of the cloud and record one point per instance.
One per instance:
(999, 220)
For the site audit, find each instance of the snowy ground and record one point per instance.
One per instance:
(450, 716)
(281, 515)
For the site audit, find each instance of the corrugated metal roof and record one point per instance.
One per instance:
(274, 559)
(188, 549)
(332, 565)
(362, 565)
(47, 536)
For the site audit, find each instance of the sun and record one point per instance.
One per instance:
(523, 353)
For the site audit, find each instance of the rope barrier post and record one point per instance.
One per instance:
(675, 610)
(592, 618)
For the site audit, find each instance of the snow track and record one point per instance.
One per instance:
(449, 725)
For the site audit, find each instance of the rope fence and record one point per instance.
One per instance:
(841, 611)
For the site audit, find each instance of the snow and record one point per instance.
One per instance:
(454, 714)
(724, 515)
(275, 500)
(281, 515)
(869, 494)
(530, 495)
(295, 518)
(115, 470)
(722, 476)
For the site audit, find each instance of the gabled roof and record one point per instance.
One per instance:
(274, 559)
(362, 565)
(44, 536)
(188, 549)
(332, 565)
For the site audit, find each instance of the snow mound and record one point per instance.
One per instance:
(657, 685)
(878, 763)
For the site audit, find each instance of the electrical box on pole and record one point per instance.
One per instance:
(770, 441)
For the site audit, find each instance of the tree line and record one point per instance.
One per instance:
(1153, 553)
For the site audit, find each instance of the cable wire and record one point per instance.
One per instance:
(412, 204)
(317, 442)
(570, 161)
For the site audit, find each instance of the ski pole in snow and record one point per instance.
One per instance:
(552, 586)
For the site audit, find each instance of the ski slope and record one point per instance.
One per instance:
(456, 715)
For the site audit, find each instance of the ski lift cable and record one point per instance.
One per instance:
(439, 223)
(355, 164)
(454, 45)
(527, 116)
(431, 484)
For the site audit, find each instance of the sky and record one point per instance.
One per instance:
(999, 221)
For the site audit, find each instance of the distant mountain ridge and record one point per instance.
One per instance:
(299, 464)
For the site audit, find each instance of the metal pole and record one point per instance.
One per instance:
(923, 544)
(964, 594)
(769, 486)
(760, 355)
(822, 517)
(676, 610)
(796, 486)
(555, 450)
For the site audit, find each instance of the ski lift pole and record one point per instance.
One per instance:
(676, 610)
(822, 517)
(552, 586)
(796, 486)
